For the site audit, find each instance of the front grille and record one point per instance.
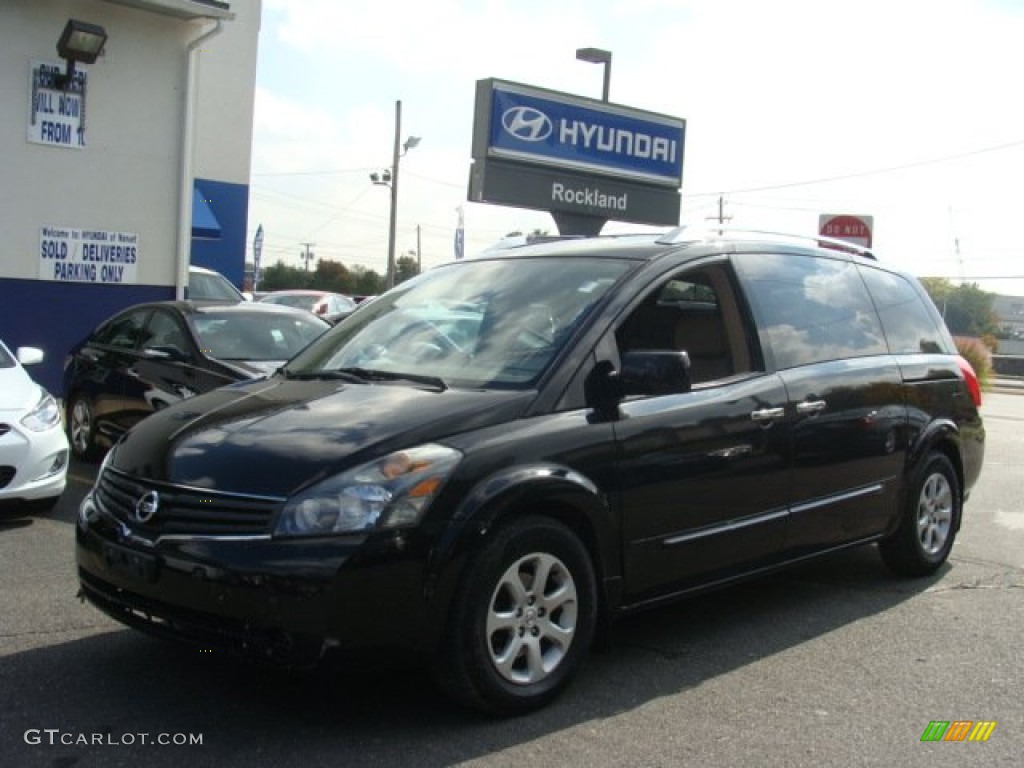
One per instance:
(183, 511)
(4, 429)
(6, 475)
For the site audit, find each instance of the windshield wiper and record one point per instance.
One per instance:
(343, 375)
(366, 374)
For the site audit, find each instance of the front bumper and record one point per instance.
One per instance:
(33, 465)
(287, 601)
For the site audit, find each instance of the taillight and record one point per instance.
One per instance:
(973, 385)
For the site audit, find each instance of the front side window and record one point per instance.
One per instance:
(693, 311)
(124, 332)
(165, 331)
(483, 323)
(811, 309)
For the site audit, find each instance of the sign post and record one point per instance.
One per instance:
(257, 249)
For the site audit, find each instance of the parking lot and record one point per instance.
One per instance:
(833, 663)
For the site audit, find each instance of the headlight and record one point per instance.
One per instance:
(44, 415)
(391, 492)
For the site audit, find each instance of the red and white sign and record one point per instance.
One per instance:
(844, 226)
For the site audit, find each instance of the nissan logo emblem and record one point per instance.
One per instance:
(526, 123)
(147, 506)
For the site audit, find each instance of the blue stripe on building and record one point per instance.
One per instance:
(54, 316)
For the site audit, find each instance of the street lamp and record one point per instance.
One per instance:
(598, 56)
(389, 178)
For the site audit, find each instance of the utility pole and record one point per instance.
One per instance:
(419, 253)
(308, 256)
(390, 277)
(722, 218)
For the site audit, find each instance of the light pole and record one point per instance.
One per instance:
(599, 56)
(389, 178)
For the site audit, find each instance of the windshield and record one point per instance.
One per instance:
(255, 336)
(476, 324)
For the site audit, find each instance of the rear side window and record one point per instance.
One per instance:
(909, 326)
(811, 309)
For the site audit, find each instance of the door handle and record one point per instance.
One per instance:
(767, 415)
(808, 407)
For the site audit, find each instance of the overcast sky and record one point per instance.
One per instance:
(909, 111)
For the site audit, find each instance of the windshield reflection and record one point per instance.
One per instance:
(474, 324)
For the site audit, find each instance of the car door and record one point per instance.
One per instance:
(102, 365)
(167, 367)
(704, 475)
(821, 333)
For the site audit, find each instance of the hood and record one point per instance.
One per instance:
(18, 392)
(276, 436)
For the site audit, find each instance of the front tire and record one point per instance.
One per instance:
(931, 517)
(81, 426)
(522, 621)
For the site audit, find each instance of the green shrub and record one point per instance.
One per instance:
(978, 354)
(991, 342)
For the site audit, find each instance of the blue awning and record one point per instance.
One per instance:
(204, 224)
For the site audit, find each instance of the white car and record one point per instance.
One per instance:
(208, 285)
(33, 447)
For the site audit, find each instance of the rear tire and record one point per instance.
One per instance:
(930, 520)
(522, 620)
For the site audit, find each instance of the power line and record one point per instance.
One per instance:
(861, 174)
(313, 173)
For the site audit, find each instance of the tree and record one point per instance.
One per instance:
(366, 282)
(966, 308)
(333, 276)
(280, 277)
(405, 268)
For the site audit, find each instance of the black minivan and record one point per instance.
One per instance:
(501, 455)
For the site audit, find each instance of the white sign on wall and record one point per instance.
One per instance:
(88, 256)
(56, 115)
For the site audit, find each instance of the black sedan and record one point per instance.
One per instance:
(151, 355)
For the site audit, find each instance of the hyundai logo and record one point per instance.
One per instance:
(147, 506)
(526, 123)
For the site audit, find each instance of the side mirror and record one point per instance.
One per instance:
(29, 355)
(165, 352)
(654, 372)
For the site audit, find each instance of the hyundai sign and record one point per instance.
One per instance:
(579, 155)
(550, 128)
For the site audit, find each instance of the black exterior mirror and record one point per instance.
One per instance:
(654, 372)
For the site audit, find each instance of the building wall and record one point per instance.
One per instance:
(127, 177)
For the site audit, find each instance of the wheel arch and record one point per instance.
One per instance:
(943, 437)
(544, 490)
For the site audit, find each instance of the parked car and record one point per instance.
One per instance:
(208, 285)
(332, 307)
(620, 422)
(152, 355)
(33, 448)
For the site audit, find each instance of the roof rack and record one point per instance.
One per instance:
(689, 234)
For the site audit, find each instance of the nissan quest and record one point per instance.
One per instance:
(487, 465)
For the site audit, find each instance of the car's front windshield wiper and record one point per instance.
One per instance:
(367, 374)
(343, 375)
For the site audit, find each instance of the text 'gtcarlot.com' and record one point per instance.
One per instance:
(55, 736)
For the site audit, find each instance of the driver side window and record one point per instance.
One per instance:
(695, 311)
